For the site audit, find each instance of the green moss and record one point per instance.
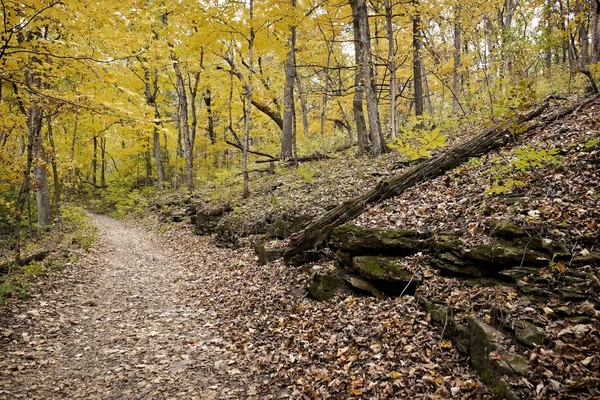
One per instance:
(323, 287)
(381, 269)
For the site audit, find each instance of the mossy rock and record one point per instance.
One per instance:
(502, 254)
(207, 219)
(287, 224)
(529, 334)
(363, 286)
(505, 229)
(453, 265)
(382, 269)
(265, 254)
(323, 287)
(361, 240)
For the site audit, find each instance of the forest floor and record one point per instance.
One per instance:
(169, 315)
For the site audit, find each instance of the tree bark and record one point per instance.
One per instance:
(207, 96)
(426, 92)
(34, 125)
(319, 230)
(160, 174)
(248, 108)
(35, 117)
(188, 146)
(95, 160)
(55, 176)
(103, 161)
(392, 68)
(303, 104)
(368, 79)
(287, 137)
(456, 79)
(359, 89)
(595, 32)
(151, 92)
(417, 70)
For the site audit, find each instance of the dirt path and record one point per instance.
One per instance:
(170, 316)
(119, 327)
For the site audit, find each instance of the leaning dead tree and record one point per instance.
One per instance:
(318, 231)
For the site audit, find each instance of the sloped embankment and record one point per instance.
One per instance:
(505, 253)
(501, 252)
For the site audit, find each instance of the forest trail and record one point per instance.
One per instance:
(118, 327)
(168, 315)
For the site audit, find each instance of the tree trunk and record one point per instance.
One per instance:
(456, 78)
(103, 161)
(95, 160)
(417, 70)
(319, 230)
(160, 175)
(595, 32)
(368, 78)
(151, 92)
(55, 176)
(547, 33)
(287, 137)
(303, 105)
(34, 126)
(584, 40)
(207, 96)
(426, 93)
(507, 23)
(188, 148)
(40, 178)
(326, 91)
(248, 108)
(357, 106)
(69, 186)
(392, 68)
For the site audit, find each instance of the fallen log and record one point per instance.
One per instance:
(310, 157)
(318, 230)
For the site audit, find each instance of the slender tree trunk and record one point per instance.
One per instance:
(35, 117)
(188, 150)
(392, 68)
(595, 32)
(95, 161)
(326, 91)
(40, 177)
(507, 24)
(34, 125)
(368, 78)
(426, 92)
(151, 90)
(547, 32)
(417, 70)
(303, 104)
(584, 40)
(148, 162)
(55, 176)
(357, 106)
(207, 96)
(287, 137)
(69, 186)
(160, 175)
(103, 161)
(456, 78)
(248, 108)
